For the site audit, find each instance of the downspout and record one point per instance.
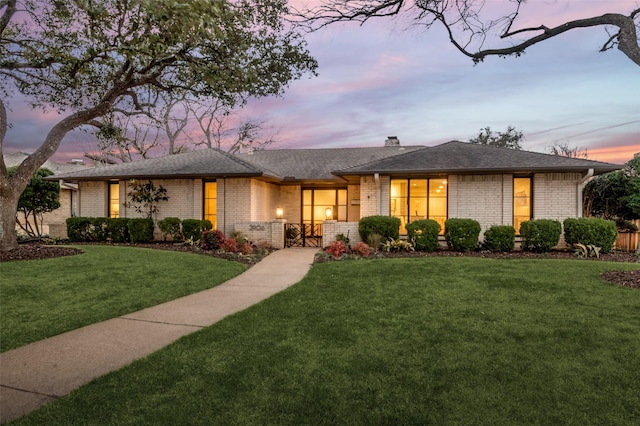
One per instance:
(376, 178)
(581, 185)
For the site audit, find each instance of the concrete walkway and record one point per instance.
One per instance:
(36, 374)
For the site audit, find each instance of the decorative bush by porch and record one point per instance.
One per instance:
(388, 227)
(500, 238)
(540, 235)
(462, 234)
(591, 231)
(140, 230)
(423, 234)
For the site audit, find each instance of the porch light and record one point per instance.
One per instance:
(329, 213)
(279, 213)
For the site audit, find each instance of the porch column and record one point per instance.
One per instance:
(277, 233)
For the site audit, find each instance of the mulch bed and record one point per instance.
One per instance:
(37, 250)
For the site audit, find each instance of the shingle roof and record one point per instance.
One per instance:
(461, 157)
(317, 164)
(299, 165)
(201, 163)
(16, 158)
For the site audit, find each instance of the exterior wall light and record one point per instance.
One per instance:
(279, 213)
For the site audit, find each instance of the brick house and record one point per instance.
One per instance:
(324, 192)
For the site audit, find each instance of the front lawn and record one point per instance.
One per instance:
(43, 298)
(396, 341)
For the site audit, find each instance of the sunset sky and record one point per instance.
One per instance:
(381, 79)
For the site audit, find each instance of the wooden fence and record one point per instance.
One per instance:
(629, 241)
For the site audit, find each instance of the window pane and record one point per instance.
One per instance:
(521, 201)
(438, 201)
(326, 197)
(211, 202)
(114, 200)
(399, 194)
(306, 197)
(342, 197)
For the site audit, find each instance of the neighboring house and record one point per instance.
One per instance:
(68, 193)
(329, 190)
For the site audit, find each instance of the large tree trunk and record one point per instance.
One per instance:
(8, 207)
(12, 188)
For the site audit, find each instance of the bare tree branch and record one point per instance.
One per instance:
(466, 29)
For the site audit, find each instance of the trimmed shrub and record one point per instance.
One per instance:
(540, 235)
(170, 226)
(87, 229)
(591, 231)
(423, 234)
(388, 227)
(500, 238)
(117, 229)
(193, 228)
(99, 231)
(79, 229)
(212, 240)
(140, 230)
(462, 234)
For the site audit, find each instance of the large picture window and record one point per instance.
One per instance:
(211, 202)
(522, 207)
(414, 199)
(114, 199)
(323, 204)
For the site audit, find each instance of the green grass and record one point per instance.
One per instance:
(47, 297)
(443, 341)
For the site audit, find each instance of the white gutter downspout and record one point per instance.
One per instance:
(581, 185)
(376, 178)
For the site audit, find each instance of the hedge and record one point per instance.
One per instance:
(193, 228)
(591, 231)
(117, 229)
(140, 230)
(500, 238)
(171, 226)
(423, 234)
(388, 227)
(540, 235)
(462, 234)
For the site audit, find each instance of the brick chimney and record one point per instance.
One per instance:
(392, 141)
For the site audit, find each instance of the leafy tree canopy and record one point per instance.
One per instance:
(88, 59)
(615, 195)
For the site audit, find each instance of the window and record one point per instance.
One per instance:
(323, 204)
(521, 201)
(414, 199)
(210, 202)
(114, 199)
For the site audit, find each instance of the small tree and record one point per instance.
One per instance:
(509, 139)
(39, 197)
(145, 197)
(615, 195)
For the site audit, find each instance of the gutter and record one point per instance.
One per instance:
(581, 185)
